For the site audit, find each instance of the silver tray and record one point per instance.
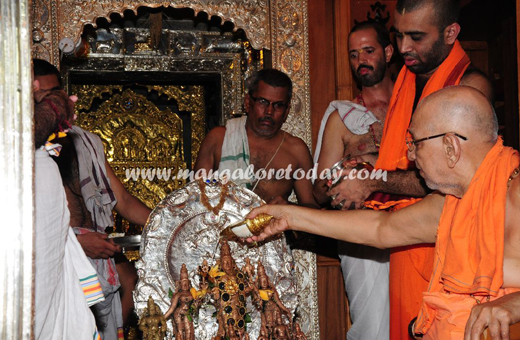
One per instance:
(182, 230)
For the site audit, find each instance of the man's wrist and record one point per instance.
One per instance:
(375, 185)
(296, 216)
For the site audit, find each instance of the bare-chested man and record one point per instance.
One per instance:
(474, 222)
(370, 51)
(365, 269)
(258, 140)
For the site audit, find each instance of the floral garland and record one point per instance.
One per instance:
(205, 200)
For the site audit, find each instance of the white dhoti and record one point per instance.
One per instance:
(61, 266)
(365, 269)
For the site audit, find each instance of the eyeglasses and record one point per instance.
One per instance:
(264, 104)
(412, 143)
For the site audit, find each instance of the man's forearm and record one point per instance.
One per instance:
(406, 183)
(133, 210)
(361, 226)
(412, 225)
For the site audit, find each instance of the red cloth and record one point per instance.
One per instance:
(410, 267)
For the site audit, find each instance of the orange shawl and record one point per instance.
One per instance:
(410, 267)
(393, 152)
(469, 251)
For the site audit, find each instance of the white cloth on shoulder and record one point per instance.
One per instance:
(235, 152)
(61, 266)
(99, 200)
(356, 118)
(95, 185)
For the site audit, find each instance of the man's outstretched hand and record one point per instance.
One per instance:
(281, 220)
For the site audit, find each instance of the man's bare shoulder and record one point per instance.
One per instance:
(297, 148)
(428, 210)
(217, 133)
(424, 216)
(435, 200)
(477, 79)
(334, 122)
(210, 149)
(336, 127)
(295, 143)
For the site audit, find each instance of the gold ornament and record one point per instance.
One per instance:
(257, 224)
(152, 322)
(247, 227)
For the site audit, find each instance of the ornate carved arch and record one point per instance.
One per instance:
(54, 20)
(248, 15)
(278, 25)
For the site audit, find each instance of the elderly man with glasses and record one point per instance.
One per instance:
(271, 161)
(472, 218)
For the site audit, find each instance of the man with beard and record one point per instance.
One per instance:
(365, 269)
(257, 141)
(426, 32)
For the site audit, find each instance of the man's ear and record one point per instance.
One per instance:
(452, 149)
(36, 85)
(451, 33)
(389, 51)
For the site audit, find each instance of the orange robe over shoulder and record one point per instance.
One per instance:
(411, 267)
(469, 252)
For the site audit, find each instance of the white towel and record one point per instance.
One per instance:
(356, 118)
(95, 185)
(99, 200)
(235, 152)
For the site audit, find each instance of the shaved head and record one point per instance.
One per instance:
(454, 129)
(445, 12)
(460, 109)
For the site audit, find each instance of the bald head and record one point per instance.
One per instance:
(466, 121)
(460, 109)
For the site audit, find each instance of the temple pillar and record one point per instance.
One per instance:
(16, 167)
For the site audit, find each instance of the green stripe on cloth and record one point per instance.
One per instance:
(234, 158)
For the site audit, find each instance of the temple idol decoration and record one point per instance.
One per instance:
(181, 307)
(152, 322)
(228, 289)
(208, 286)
